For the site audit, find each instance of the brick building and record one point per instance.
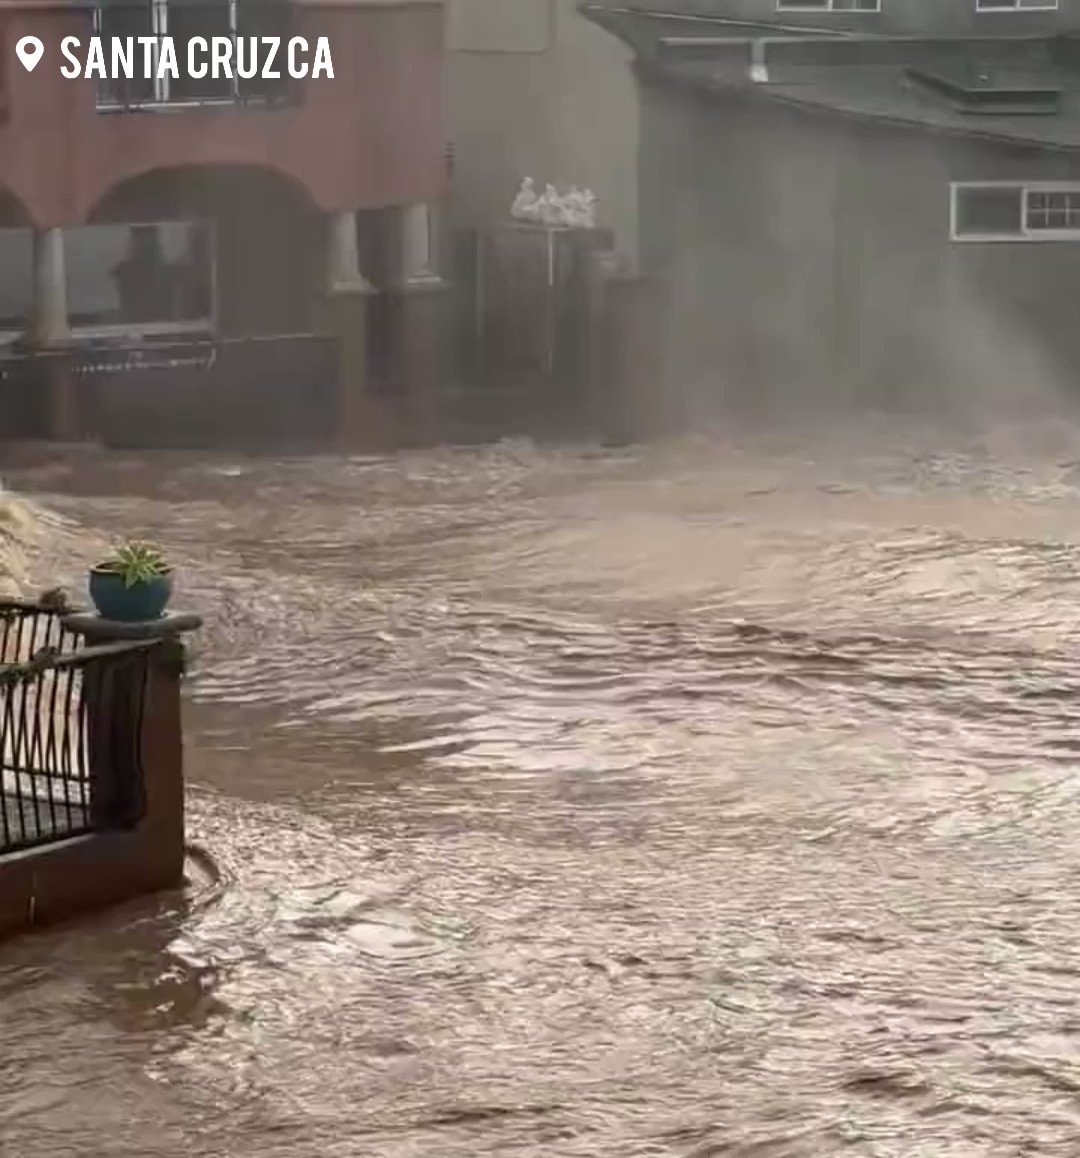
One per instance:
(215, 214)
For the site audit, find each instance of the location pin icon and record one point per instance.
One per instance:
(29, 51)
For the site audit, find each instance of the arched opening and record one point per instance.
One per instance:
(245, 245)
(16, 260)
(13, 213)
(209, 274)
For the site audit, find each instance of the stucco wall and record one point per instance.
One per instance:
(806, 262)
(536, 90)
(908, 17)
(373, 135)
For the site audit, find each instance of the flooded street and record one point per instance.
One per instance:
(712, 798)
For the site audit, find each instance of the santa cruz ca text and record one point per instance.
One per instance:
(220, 57)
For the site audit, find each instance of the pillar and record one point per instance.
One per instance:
(48, 323)
(635, 313)
(344, 297)
(419, 246)
(48, 334)
(624, 348)
(135, 736)
(344, 256)
(418, 323)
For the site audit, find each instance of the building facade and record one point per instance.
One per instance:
(536, 90)
(224, 209)
(863, 219)
(878, 17)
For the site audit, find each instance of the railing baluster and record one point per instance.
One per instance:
(9, 834)
(17, 657)
(23, 766)
(43, 742)
(8, 620)
(14, 785)
(97, 686)
(81, 776)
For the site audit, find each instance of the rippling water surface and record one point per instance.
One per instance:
(707, 799)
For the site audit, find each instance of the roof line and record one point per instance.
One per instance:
(813, 38)
(729, 22)
(709, 87)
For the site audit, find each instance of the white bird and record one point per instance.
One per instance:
(571, 208)
(526, 202)
(588, 209)
(550, 206)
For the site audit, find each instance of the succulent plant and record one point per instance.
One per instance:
(136, 562)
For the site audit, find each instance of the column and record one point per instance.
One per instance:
(136, 745)
(48, 322)
(344, 256)
(418, 316)
(48, 334)
(345, 296)
(419, 246)
(634, 321)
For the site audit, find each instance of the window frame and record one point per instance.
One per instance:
(982, 6)
(161, 97)
(1024, 189)
(826, 8)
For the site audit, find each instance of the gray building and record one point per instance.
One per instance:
(536, 90)
(878, 17)
(856, 212)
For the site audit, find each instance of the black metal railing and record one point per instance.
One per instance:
(70, 731)
(192, 391)
(28, 626)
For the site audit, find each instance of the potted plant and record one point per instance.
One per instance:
(132, 584)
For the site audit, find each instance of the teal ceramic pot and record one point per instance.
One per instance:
(142, 601)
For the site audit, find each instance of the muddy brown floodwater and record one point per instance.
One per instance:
(705, 799)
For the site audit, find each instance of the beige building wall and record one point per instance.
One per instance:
(537, 91)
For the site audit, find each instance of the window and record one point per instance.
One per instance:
(238, 21)
(828, 5)
(153, 275)
(1014, 211)
(1016, 5)
(157, 276)
(1052, 210)
(17, 284)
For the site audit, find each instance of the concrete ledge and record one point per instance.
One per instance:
(42, 885)
(93, 628)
